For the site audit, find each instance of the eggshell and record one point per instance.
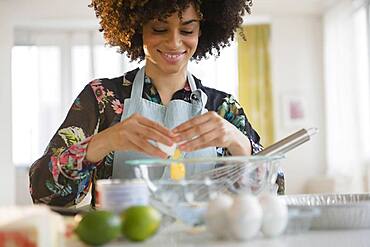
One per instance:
(275, 215)
(216, 216)
(245, 217)
(169, 150)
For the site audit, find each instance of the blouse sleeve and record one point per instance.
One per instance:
(232, 111)
(62, 176)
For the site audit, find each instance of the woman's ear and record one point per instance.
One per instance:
(200, 33)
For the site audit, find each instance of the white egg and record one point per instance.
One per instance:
(245, 217)
(275, 215)
(216, 216)
(169, 150)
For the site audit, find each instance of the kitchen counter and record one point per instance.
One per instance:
(176, 235)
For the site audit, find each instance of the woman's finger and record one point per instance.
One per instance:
(153, 134)
(142, 145)
(193, 122)
(206, 140)
(194, 131)
(154, 125)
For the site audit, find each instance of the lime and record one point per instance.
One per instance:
(98, 227)
(140, 222)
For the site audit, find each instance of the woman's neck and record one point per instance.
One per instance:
(166, 83)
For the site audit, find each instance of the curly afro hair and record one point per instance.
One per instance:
(122, 21)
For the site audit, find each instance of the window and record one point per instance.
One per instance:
(49, 69)
(36, 99)
(361, 29)
(347, 89)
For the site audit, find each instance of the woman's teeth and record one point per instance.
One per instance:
(172, 58)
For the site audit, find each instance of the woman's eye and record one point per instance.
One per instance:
(159, 30)
(186, 32)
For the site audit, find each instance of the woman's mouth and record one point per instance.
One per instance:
(172, 57)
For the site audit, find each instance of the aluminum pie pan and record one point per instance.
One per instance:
(337, 211)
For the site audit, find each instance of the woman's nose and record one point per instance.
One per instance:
(174, 39)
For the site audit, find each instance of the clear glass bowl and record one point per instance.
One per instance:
(204, 179)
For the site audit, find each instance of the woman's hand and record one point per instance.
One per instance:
(132, 134)
(211, 130)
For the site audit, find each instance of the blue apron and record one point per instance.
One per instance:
(170, 116)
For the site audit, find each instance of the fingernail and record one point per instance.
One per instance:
(182, 147)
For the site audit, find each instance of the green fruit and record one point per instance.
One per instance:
(140, 222)
(98, 227)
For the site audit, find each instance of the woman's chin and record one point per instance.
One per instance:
(173, 68)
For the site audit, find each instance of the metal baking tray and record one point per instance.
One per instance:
(300, 219)
(337, 211)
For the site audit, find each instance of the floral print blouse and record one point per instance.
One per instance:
(63, 177)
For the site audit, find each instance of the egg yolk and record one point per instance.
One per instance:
(177, 170)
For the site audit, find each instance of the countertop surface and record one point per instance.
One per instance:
(177, 235)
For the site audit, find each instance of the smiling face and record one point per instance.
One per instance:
(169, 44)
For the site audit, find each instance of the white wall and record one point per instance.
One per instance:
(297, 70)
(7, 180)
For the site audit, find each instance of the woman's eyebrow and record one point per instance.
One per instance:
(182, 23)
(189, 22)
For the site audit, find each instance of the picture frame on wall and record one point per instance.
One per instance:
(293, 110)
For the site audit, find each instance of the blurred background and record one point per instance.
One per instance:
(305, 64)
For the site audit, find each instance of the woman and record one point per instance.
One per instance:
(113, 120)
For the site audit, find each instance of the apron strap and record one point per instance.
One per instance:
(138, 84)
(197, 96)
(191, 82)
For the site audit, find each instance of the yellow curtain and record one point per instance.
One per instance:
(255, 89)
